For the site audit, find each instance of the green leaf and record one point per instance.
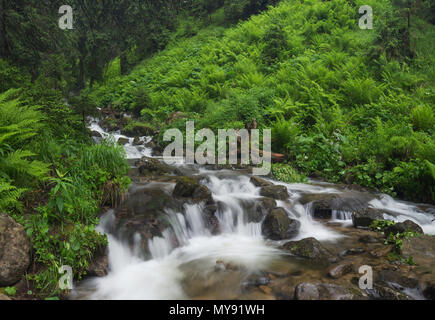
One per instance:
(11, 291)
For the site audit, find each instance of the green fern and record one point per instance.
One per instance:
(9, 196)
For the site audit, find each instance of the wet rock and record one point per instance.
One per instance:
(307, 291)
(352, 252)
(275, 192)
(309, 248)
(4, 297)
(278, 226)
(387, 277)
(381, 251)
(268, 204)
(151, 145)
(202, 193)
(123, 141)
(324, 203)
(421, 249)
(14, 251)
(340, 270)
(96, 134)
(325, 291)
(137, 141)
(99, 266)
(144, 216)
(429, 290)
(153, 167)
(387, 293)
(260, 209)
(265, 289)
(364, 218)
(368, 239)
(402, 227)
(258, 182)
(211, 221)
(191, 188)
(185, 187)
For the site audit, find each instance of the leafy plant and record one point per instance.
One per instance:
(10, 291)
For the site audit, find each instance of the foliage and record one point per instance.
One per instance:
(10, 291)
(286, 173)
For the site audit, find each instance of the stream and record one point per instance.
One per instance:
(190, 260)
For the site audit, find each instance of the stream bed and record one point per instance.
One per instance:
(164, 247)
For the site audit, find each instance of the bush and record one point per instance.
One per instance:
(423, 119)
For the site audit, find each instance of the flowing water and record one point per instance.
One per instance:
(196, 267)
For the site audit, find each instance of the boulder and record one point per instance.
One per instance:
(260, 209)
(191, 188)
(402, 227)
(185, 187)
(258, 182)
(153, 167)
(99, 266)
(309, 248)
(137, 141)
(275, 192)
(144, 214)
(421, 249)
(278, 226)
(123, 141)
(14, 251)
(324, 203)
(202, 194)
(365, 217)
(325, 291)
(96, 134)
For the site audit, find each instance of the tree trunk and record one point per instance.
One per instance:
(4, 48)
(123, 61)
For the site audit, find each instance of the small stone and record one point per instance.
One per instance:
(337, 272)
(265, 289)
(368, 239)
(352, 252)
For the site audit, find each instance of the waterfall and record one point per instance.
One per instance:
(199, 253)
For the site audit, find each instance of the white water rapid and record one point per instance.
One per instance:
(190, 270)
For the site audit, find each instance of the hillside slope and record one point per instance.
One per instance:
(345, 104)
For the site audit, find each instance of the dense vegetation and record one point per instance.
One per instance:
(344, 104)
